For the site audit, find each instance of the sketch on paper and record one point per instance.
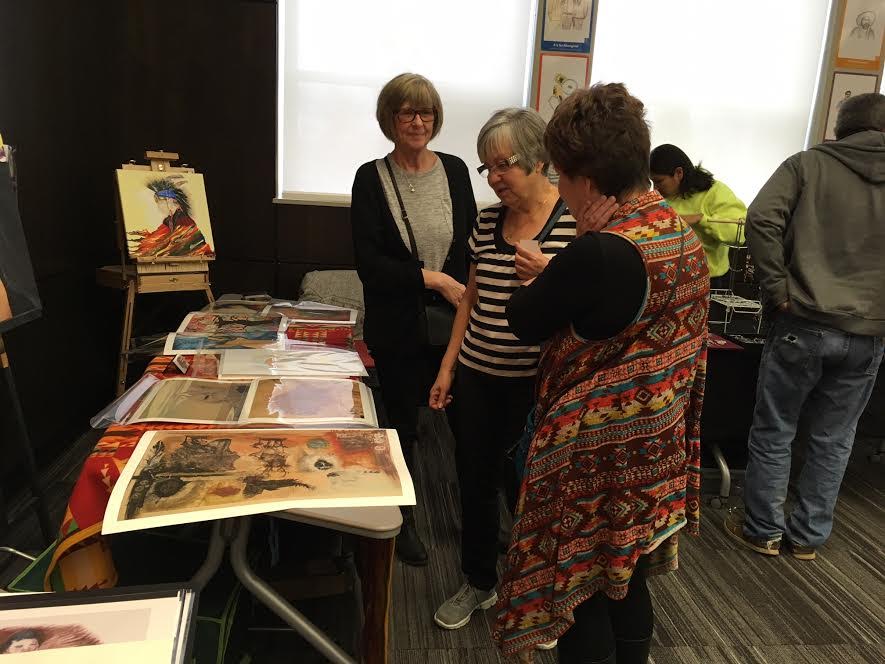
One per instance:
(49, 632)
(241, 324)
(165, 214)
(844, 86)
(567, 25)
(862, 33)
(330, 401)
(203, 343)
(304, 361)
(186, 476)
(559, 77)
(192, 400)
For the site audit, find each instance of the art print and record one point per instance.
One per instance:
(559, 77)
(329, 401)
(844, 87)
(178, 477)
(237, 306)
(193, 401)
(861, 42)
(165, 215)
(240, 324)
(301, 313)
(211, 343)
(307, 361)
(567, 25)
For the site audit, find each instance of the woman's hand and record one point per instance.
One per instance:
(529, 263)
(596, 214)
(440, 393)
(449, 288)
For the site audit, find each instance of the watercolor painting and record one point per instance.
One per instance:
(305, 400)
(178, 477)
(306, 314)
(165, 215)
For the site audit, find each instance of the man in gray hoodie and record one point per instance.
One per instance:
(817, 234)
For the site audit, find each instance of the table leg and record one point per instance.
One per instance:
(375, 564)
(273, 601)
(221, 535)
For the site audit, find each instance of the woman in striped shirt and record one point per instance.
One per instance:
(489, 371)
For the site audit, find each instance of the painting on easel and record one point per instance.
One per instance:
(165, 214)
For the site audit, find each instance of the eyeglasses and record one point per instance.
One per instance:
(497, 167)
(407, 115)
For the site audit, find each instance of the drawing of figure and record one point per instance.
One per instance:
(845, 98)
(177, 234)
(864, 27)
(569, 14)
(26, 640)
(562, 88)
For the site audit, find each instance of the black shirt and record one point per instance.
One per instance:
(598, 283)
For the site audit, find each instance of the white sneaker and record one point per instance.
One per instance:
(455, 612)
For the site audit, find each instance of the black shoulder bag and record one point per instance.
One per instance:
(437, 314)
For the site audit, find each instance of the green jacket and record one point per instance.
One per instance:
(719, 208)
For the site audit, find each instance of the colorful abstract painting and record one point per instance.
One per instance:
(165, 215)
(178, 477)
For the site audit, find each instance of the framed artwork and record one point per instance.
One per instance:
(844, 86)
(861, 43)
(567, 26)
(165, 214)
(558, 77)
(176, 477)
(19, 299)
(138, 625)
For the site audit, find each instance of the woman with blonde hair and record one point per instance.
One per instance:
(411, 211)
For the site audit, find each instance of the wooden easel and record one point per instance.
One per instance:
(150, 274)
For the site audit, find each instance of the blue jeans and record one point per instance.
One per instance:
(829, 375)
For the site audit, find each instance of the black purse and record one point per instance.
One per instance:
(436, 313)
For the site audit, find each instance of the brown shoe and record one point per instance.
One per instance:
(734, 526)
(800, 552)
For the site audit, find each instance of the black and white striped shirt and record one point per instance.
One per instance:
(489, 345)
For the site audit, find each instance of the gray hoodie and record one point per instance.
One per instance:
(817, 234)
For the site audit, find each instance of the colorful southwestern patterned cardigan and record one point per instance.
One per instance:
(613, 470)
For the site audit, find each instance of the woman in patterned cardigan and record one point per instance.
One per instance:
(612, 449)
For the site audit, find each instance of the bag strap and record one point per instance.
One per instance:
(551, 222)
(402, 210)
(633, 339)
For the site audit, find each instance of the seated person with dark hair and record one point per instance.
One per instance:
(708, 205)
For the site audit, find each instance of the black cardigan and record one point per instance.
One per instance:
(392, 281)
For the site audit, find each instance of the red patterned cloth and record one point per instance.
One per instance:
(339, 336)
(613, 469)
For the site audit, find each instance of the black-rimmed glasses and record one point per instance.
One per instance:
(407, 115)
(497, 167)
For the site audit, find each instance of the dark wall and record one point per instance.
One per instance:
(85, 87)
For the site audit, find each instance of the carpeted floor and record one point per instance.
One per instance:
(725, 604)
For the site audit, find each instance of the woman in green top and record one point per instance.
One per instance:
(707, 204)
